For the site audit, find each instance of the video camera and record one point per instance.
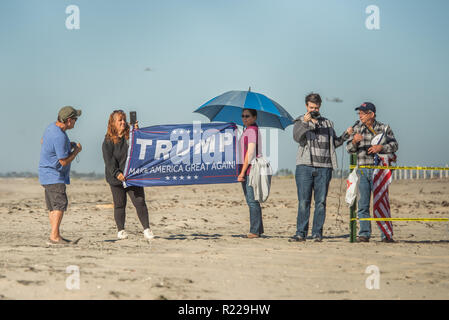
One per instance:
(315, 114)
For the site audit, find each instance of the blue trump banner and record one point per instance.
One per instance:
(182, 154)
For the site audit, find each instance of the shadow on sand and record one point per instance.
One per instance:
(193, 236)
(215, 236)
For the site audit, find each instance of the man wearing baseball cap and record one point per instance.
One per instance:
(57, 153)
(361, 143)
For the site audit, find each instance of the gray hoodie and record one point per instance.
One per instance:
(303, 133)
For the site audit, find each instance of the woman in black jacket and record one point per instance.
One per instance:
(115, 151)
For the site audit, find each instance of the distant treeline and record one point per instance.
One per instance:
(283, 173)
(339, 173)
(73, 174)
(93, 175)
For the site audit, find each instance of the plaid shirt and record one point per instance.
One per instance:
(363, 158)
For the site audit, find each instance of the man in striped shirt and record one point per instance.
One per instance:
(364, 131)
(315, 160)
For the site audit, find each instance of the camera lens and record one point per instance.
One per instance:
(314, 114)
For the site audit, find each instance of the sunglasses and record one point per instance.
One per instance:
(119, 110)
(364, 113)
(246, 116)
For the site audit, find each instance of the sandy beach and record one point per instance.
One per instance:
(200, 251)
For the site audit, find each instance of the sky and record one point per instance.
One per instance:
(198, 49)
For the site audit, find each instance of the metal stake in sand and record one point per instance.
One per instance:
(352, 209)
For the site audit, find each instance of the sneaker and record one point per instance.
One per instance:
(122, 235)
(148, 234)
(362, 239)
(296, 239)
(317, 239)
(388, 240)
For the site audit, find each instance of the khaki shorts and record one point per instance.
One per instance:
(56, 197)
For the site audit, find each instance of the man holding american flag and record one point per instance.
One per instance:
(375, 145)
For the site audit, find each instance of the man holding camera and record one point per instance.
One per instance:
(57, 153)
(315, 160)
(362, 144)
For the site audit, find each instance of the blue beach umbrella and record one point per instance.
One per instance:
(228, 108)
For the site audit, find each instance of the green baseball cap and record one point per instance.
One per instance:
(68, 112)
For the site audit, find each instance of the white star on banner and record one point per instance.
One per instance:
(188, 177)
(167, 178)
(196, 177)
(174, 178)
(181, 177)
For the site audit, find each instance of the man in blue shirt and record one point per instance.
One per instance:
(57, 153)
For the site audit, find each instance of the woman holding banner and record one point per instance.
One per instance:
(249, 146)
(115, 152)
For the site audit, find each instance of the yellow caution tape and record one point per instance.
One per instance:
(402, 168)
(401, 219)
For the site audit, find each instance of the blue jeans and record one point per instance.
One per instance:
(365, 189)
(307, 179)
(255, 211)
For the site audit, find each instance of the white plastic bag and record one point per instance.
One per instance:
(352, 184)
(260, 178)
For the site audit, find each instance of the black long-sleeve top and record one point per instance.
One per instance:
(114, 156)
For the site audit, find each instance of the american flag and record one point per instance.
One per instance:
(381, 204)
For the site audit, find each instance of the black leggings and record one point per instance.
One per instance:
(137, 196)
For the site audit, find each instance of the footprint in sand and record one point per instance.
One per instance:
(127, 279)
(117, 294)
(28, 282)
(338, 291)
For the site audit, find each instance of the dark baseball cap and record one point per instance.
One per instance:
(68, 112)
(367, 106)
